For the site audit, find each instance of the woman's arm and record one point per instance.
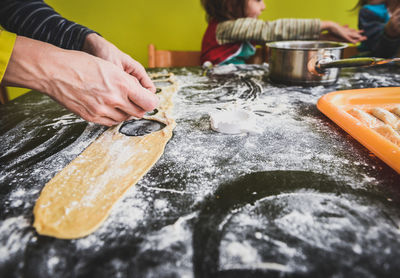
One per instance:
(36, 20)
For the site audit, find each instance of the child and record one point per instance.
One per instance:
(380, 20)
(233, 24)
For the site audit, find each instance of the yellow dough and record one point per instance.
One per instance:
(396, 110)
(80, 197)
(389, 133)
(381, 120)
(386, 117)
(365, 118)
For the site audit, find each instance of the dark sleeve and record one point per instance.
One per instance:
(377, 43)
(37, 20)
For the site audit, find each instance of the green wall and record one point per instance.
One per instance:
(176, 24)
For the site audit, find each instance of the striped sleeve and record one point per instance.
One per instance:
(251, 29)
(36, 20)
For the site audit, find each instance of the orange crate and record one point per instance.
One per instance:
(339, 107)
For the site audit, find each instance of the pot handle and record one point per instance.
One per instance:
(322, 65)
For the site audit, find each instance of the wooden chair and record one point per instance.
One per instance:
(172, 58)
(3, 94)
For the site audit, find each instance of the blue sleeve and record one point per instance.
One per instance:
(36, 20)
(377, 43)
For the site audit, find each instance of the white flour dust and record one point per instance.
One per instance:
(155, 218)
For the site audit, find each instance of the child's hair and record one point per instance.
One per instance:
(360, 3)
(221, 10)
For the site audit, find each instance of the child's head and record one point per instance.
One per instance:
(361, 3)
(221, 10)
(254, 8)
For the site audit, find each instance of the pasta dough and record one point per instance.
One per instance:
(79, 198)
(365, 118)
(386, 117)
(396, 110)
(389, 133)
(381, 120)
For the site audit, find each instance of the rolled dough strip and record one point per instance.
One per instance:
(386, 117)
(365, 118)
(80, 197)
(389, 133)
(396, 110)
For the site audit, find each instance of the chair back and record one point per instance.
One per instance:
(172, 58)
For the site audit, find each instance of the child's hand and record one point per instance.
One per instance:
(392, 28)
(343, 32)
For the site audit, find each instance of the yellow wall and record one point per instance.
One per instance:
(176, 24)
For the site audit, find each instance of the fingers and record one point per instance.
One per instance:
(131, 99)
(93, 116)
(104, 121)
(114, 94)
(109, 111)
(109, 52)
(128, 98)
(141, 97)
(353, 36)
(113, 113)
(127, 104)
(349, 34)
(130, 109)
(137, 70)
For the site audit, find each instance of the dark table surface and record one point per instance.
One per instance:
(300, 199)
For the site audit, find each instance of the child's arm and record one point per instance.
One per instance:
(251, 29)
(338, 32)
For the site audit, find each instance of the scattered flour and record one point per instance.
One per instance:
(155, 219)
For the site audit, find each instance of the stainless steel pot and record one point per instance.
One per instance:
(311, 62)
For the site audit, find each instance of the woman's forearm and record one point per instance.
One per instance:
(36, 20)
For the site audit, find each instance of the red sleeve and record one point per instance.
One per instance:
(211, 50)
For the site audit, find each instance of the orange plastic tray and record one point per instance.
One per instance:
(336, 105)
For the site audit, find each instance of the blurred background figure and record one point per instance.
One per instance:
(234, 29)
(380, 20)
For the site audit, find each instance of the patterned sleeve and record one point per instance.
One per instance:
(37, 20)
(251, 29)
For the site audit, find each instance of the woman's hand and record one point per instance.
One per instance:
(343, 33)
(95, 89)
(100, 47)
